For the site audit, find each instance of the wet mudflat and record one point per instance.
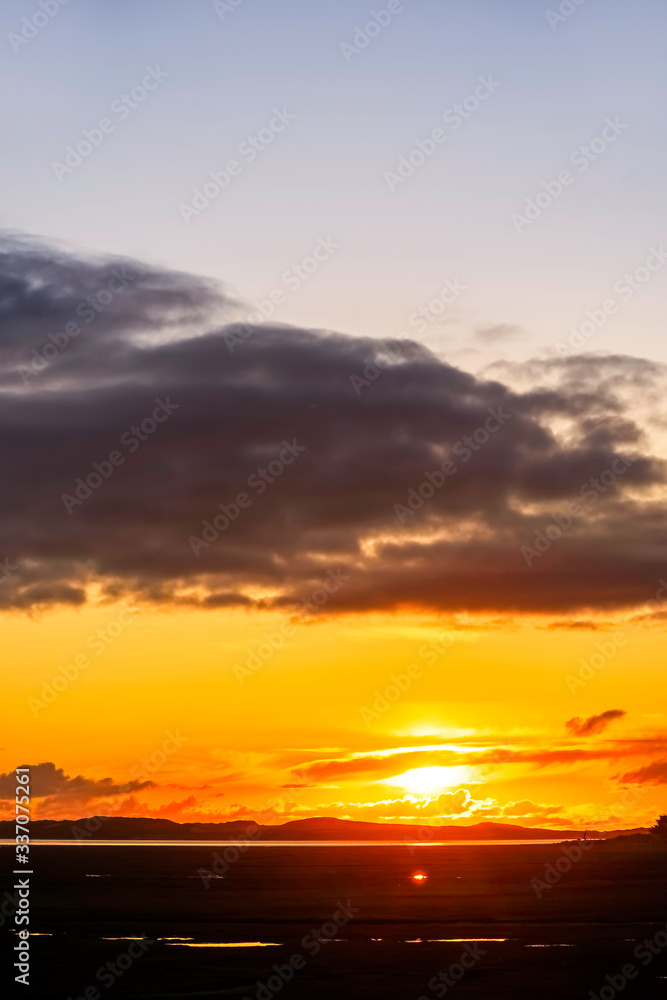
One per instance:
(347, 922)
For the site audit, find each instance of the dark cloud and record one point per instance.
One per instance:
(651, 774)
(48, 780)
(44, 289)
(334, 507)
(595, 723)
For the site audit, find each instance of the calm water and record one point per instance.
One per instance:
(291, 843)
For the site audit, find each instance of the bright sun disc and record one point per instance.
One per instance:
(430, 779)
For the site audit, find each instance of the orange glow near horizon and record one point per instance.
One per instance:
(294, 740)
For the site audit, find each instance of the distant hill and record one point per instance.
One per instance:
(321, 828)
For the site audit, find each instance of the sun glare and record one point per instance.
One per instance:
(430, 779)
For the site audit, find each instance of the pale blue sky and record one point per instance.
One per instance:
(324, 175)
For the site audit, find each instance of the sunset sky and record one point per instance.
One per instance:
(398, 552)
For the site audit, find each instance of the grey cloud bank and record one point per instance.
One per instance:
(165, 338)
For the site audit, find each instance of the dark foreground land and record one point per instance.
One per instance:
(603, 909)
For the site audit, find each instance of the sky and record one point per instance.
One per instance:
(353, 316)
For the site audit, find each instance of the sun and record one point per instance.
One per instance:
(430, 779)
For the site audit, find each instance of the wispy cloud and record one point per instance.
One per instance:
(594, 724)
